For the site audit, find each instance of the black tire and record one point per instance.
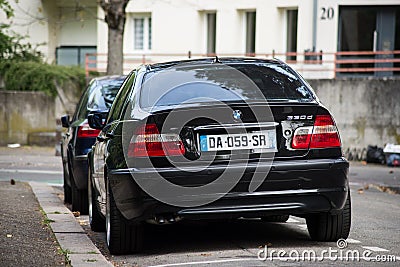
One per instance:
(122, 237)
(67, 189)
(96, 220)
(329, 227)
(275, 218)
(79, 198)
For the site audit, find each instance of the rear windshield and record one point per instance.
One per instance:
(222, 83)
(103, 96)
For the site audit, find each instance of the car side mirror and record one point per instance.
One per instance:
(65, 122)
(97, 120)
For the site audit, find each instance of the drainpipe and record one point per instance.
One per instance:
(314, 33)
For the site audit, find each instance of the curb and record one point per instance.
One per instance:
(70, 235)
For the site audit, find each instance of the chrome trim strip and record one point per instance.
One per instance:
(81, 157)
(238, 125)
(256, 208)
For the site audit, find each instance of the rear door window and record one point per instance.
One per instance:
(81, 112)
(118, 105)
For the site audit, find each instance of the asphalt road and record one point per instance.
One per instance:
(39, 164)
(375, 225)
(375, 231)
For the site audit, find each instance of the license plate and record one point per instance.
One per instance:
(264, 141)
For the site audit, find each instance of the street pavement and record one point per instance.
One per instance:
(38, 164)
(375, 227)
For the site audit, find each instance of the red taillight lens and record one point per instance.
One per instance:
(323, 134)
(84, 131)
(148, 142)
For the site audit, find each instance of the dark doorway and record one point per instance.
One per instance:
(369, 28)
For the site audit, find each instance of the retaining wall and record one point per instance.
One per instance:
(22, 113)
(367, 111)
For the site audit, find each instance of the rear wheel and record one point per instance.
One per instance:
(329, 227)
(67, 188)
(122, 237)
(96, 220)
(275, 218)
(79, 198)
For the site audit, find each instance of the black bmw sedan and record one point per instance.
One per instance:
(79, 138)
(219, 138)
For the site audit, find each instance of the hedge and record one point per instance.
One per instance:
(37, 76)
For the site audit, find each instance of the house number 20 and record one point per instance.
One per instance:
(327, 13)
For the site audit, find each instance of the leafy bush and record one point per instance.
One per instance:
(12, 47)
(36, 76)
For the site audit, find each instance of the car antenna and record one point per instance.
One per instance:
(216, 60)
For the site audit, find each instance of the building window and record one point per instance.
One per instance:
(291, 33)
(250, 33)
(73, 55)
(149, 36)
(211, 32)
(142, 33)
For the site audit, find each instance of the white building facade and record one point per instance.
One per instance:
(63, 30)
(159, 30)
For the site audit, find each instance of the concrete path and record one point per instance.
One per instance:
(70, 235)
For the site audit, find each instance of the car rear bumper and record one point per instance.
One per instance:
(80, 171)
(291, 187)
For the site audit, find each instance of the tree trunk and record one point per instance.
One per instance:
(115, 17)
(115, 55)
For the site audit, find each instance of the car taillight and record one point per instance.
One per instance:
(84, 131)
(148, 142)
(323, 134)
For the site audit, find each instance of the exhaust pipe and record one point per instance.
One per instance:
(164, 220)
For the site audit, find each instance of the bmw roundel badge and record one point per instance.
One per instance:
(237, 115)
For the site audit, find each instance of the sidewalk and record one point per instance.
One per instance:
(25, 238)
(38, 230)
(73, 240)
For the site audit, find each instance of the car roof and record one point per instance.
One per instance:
(223, 60)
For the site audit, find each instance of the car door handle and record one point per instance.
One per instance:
(110, 135)
(101, 139)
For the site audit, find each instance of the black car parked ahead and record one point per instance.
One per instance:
(79, 138)
(216, 139)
